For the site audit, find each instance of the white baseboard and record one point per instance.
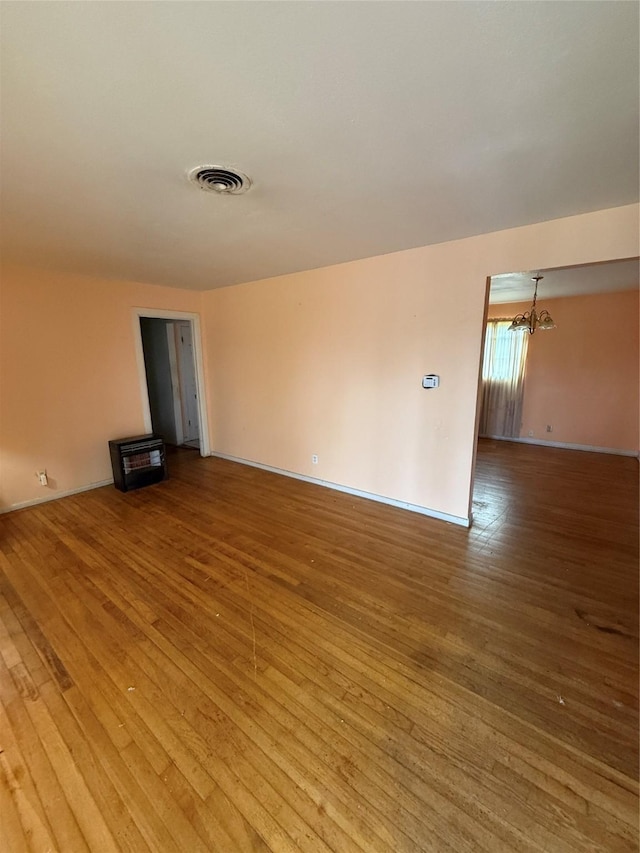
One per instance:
(56, 496)
(422, 510)
(564, 445)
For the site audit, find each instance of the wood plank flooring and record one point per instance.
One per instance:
(236, 661)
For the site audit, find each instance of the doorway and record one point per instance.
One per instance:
(171, 377)
(580, 391)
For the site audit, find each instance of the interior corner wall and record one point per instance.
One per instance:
(582, 378)
(69, 377)
(330, 361)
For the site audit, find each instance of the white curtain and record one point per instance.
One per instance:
(503, 368)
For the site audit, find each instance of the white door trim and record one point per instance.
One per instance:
(137, 313)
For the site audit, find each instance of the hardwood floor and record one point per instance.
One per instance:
(236, 661)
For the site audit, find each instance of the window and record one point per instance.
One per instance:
(505, 355)
(504, 352)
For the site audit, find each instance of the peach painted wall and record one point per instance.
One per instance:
(326, 362)
(69, 379)
(330, 361)
(582, 377)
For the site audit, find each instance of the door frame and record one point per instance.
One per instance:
(476, 429)
(194, 319)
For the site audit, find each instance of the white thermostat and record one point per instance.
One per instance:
(431, 380)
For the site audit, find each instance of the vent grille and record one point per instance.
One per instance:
(217, 179)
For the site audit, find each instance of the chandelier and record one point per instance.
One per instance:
(532, 320)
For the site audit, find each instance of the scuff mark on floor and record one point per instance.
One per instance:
(594, 622)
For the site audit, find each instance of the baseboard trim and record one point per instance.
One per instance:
(421, 510)
(564, 445)
(57, 496)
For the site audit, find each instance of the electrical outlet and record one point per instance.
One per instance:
(42, 477)
(314, 458)
(530, 433)
(549, 428)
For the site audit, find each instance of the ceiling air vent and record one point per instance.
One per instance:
(218, 179)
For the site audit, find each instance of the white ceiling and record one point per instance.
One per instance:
(570, 281)
(367, 127)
